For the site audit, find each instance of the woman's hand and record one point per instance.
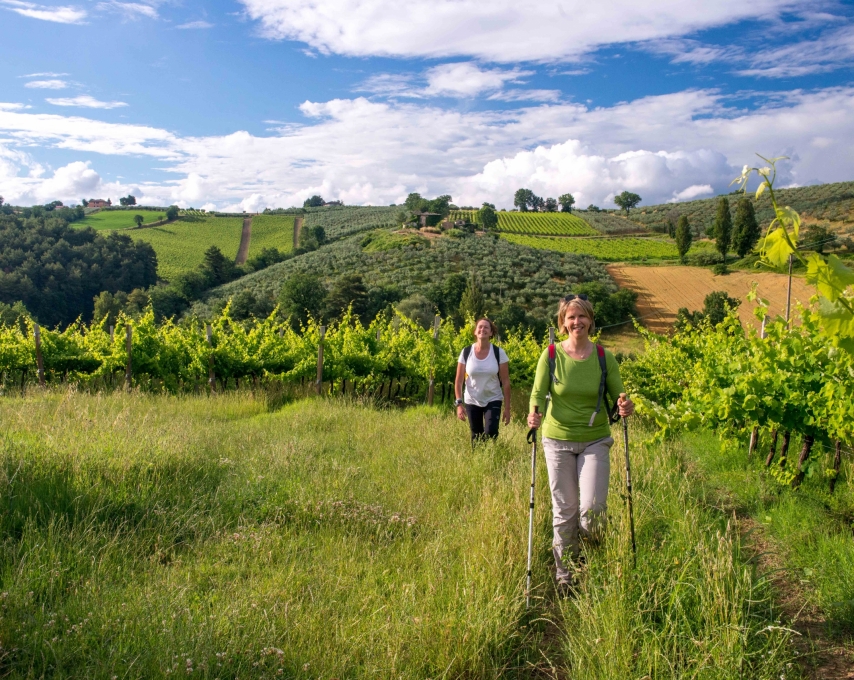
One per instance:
(461, 412)
(625, 405)
(506, 417)
(534, 420)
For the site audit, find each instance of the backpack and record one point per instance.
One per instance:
(613, 417)
(467, 354)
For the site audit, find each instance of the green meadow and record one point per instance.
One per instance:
(106, 220)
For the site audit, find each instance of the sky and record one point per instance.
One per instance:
(248, 104)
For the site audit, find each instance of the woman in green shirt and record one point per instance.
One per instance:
(576, 437)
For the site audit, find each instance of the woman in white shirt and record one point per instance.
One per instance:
(484, 371)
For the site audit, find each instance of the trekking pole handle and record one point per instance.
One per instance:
(532, 433)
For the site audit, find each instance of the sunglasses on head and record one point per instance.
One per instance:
(571, 297)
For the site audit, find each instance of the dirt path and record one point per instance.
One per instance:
(663, 290)
(297, 230)
(245, 237)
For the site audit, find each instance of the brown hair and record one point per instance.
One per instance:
(492, 327)
(583, 305)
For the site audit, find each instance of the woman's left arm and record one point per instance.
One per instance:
(504, 374)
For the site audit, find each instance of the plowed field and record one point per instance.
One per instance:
(663, 290)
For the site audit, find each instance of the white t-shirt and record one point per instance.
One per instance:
(482, 384)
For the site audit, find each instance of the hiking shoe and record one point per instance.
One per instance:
(565, 589)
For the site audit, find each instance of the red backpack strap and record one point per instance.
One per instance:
(552, 364)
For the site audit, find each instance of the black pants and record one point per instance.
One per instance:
(483, 420)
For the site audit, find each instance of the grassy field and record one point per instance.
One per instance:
(272, 231)
(180, 246)
(232, 537)
(107, 220)
(616, 249)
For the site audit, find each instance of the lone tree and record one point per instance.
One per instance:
(313, 202)
(487, 217)
(523, 199)
(723, 227)
(139, 219)
(472, 303)
(550, 205)
(172, 212)
(128, 200)
(566, 202)
(817, 237)
(683, 237)
(627, 200)
(348, 290)
(302, 295)
(746, 232)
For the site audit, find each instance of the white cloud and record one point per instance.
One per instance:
(526, 96)
(692, 192)
(832, 50)
(44, 75)
(129, 10)
(60, 15)
(465, 79)
(85, 101)
(12, 106)
(47, 84)
(363, 151)
(195, 25)
(498, 31)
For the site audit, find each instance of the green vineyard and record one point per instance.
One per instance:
(617, 249)
(272, 231)
(547, 224)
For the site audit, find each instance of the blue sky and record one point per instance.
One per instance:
(261, 103)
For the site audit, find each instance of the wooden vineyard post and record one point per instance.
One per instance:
(39, 360)
(379, 333)
(129, 346)
(763, 333)
(112, 339)
(432, 387)
(320, 360)
(551, 336)
(211, 376)
(837, 463)
(802, 459)
(772, 450)
(754, 440)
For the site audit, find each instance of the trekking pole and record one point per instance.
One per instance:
(532, 440)
(629, 486)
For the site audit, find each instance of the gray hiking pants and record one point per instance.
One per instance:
(578, 477)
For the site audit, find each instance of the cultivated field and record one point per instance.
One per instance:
(106, 220)
(663, 290)
(232, 537)
(181, 245)
(614, 249)
(549, 224)
(272, 231)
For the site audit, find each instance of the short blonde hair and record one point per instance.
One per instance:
(584, 305)
(492, 327)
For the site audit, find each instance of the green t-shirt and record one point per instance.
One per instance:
(574, 396)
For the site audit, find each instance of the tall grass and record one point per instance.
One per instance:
(149, 536)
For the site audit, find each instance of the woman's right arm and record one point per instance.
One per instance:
(458, 389)
(540, 388)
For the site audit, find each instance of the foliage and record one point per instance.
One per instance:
(831, 277)
(507, 272)
(524, 199)
(682, 237)
(818, 237)
(723, 227)
(627, 200)
(487, 217)
(313, 202)
(380, 240)
(172, 212)
(302, 297)
(473, 303)
(746, 231)
(566, 202)
(609, 223)
(340, 221)
(833, 202)
(56, 270)
(128, 200)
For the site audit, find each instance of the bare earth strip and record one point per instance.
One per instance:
(245, 237)
(297, 230)
(663, 290)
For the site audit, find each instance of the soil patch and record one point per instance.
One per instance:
(245, 237)
(663, 290)
(297, 229)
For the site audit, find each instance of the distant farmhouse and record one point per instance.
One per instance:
(99, 203)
